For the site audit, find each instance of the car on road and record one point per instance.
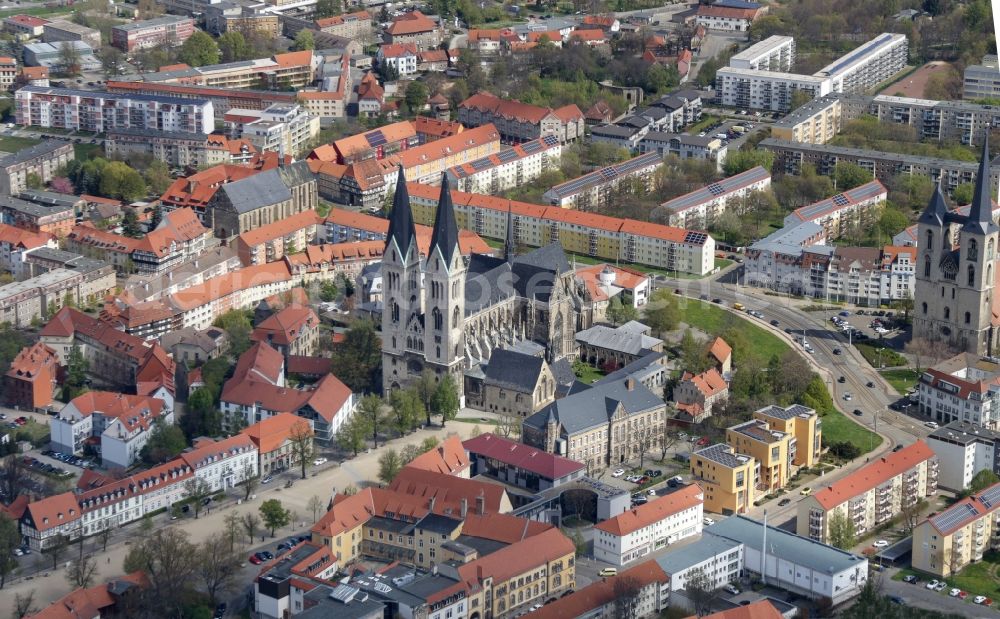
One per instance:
(731, 588)
(881, 543)
(845, 313)
(608, 571)
(842, 380)
(806, 491)
(707, 521)
(857, 412)
(870, 384)
(941, 586)
(319, 461)
(911, 578)
(775, 323)
(930, 424)
(895, 599)
(717, 301)
(618, 473)
(651, 492)
(267, 479)
(963, 594)
(837, 351)
(954, 592)
(256, 558)
(933, 584)
(847, 397)
(784, 501)
(979, 599)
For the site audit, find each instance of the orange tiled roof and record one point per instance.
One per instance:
(35, 73)
(208, 448)
(449, 457)
(30, 362)
(446, 147)
(87, 603)
(517, 558)
(709, 382)
(600, 20)
(394, 132)
(720, 350)
(326, 397)
(432, 55)
(437, 128)
(761, 609)
(271, 433)
(285, 326)
(224, 285)
(260, 362)
(653, 511)
(341, 19)
(599, 593)
(593, 34)
(53, 511)
(449, 490)
(280, 228)
(294, 59)
(398, 50)
(873, 474)
(413, 22)
(133, 411)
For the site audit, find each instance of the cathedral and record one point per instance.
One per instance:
(954, 302)
(446, 312)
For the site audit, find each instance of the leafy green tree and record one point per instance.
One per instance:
(840, 531)
(111, 59)
(407, 409)
(201, 417)
(892, 221)
(33, 181)
(351, 436)
(328, 8)
(743, 160)
(328, 291)
(850, 175)
(983, 480)
(130, 224)
(445, 400)
(196, 490)
(663, 312)
(237, 326)
(661, 78)
(357, 361)
(962, 194)
(157, 175)
(416, 96)
(274, 515)
(156, 217)
(389, 465)
(165, 442)
(122, 182)
(233, 46)
(304, 40)
(10, 538)
(199, 50)
(77, 367)
(370, 410)
(799, 98)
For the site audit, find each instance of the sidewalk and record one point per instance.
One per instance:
(50, 585)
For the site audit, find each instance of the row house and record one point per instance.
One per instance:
(701, 207)
(649, 527)
(288, 71)
(272, 242)
(521, 122)
(872, 495)
(592, 191)
(963, 388)
(512, 167)
(855, 208)
(179, 150)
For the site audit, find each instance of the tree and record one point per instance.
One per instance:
(328, 8)
(274, 515)
(237, 326)
(476, 431)
(250, 524)
(892, 221)
(315, 505)
(445, 400)
(157, 175)
(165, 441)
(111, 60)
(61, 184)
(199, 50)
(351, 436)
(169, 561)
(507, 425)
(24, 605)
(700, 591)
(201, 418)
(130, 224)
(983, 480)
(33, 181)
(626, 595)
(409, 453)
(69, 58)
(743, 160)
(14, 477)
(328, 292)
(77, 366)
(301, 437)
(122, 182)
(426, 385)
(104, 535)
(81, 571)
(370, 409)
(416, 96)
(56, 549)
(233, 46)
(850, 175)
(217, 566)
(304, 40)
(357, 361)
(667, 440)
(663, 312)
(962, 194)
(197, 490)
(250, 481)
(10, 538)
(840, 531)
(389, 464)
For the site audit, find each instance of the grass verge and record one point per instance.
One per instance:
(87, 151)
(714, 320)
(888, 358)
(902, 380)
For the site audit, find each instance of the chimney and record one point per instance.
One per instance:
(430, 504)
(481, 505)
(465, 507)
(630, 383)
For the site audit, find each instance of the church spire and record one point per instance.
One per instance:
(401, 227)
(981, 211)
(445, 235)
(937, 208)
(508, 243)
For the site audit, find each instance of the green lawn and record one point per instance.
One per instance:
(976, 578)
(839, 428)
(87, 151)
(714, 320)
(590, 374)
(887, 358)
(706, 120)
(902, 380)
(10, 144)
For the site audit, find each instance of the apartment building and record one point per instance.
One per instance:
(374, 144)
(413, 27)
(121, 424)
(24, 26)
(607, 238)
(521, 122)
(684, 146)
(179, 150)
(800, 422)
(695, 395)
(592, 190)
(599, 599)
(273, 241)
(960, 121)
(293, 330)
(701, 207)
(165, 31)
(775, 53)
(56, 220)
(275, 439)
(25, 303)
(789, 157)
(201, 304)
(962, 388)
(855, 208)
(731, 15)
(402, 57)
(8, 73)
(284, 587)
(16, 243)
(815, 122)
(60, 30)
(284, 129)
(728, 479)
(64, 108)
(766, 90)
(952, 539)
(981, 81)
(40, 159)
(288, 71)
(868, 65)
(32, 378)
(873, 494)
(356, 26)
(963, 449)
(511, 167)
(774, 452)
(222, 99)
(643, 529)
(602, 426)
(720, 559)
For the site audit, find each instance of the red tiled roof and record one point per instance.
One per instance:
(506, 108)
(229, 283)
(432, 55)
(271, 433)
(398, 50)
(53, 511)
(133, 411)
(708, 10)
(437, 128)
(709, 382)
(761, 609)
(326, 397)
(87, 603)
(599, 593)
(280, 228)
(341, 19)
(308, 366)
(653, 511)
(32, 360)
(873, 474)
(540, 462)
(208, 448)
(260, 362)
(449, 490)
(413, 22)
(449, 457)
(28, 20)
(285, 326)
(23, 239)
(720, 350)
(517, 558)
(446, 147)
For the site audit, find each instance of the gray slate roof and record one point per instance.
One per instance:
(622, 339)
(513, 370)
(257, 191)
(594, 406)
(38, 150)
(680, 559)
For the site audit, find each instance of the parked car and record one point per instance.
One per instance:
(255, 559)
(934, 583)
(220, 611)
(881, 543)
(930, 424)
(954, 592)
(608, 571)
(806, 491)
(267, 479)
(979, 599)
(784, 501)
(941, 586)
(842, 380)
(895, 599)
(911, 578)
(319, 461)
(618, 473)
(707, 521)
(731, 588)
(857, 412)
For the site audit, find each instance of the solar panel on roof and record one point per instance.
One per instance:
(841, 200)
(376, 138)
(507, 155)
(954, 516)
(716, 189)
(480, 164)
(696, 238)
(533, 146)
(990, 496)
(550, 140)
(460, 172)
(608, 174)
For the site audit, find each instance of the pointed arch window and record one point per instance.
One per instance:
(947, 313)
(438, 319)
(395, 312)
(973, 249)
(454, 318)
(927, 266)
(968, 317)
(930, 239)
(989, 250)
(972, 275)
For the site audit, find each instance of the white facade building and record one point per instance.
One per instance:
(869, 65)
(643, 529)
(756, 89)
(720, 559)
(963, 449)
(775, 53)
(511, 167)
(701, 207)
(963, 388)
(281, 128)
(401, 57)
(223, 464)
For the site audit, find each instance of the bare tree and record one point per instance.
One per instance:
(644, 442)
(700, 591)
(81, 572)
(301, 438)
(24, 605)
(668, 439)
(508, 425)
(217, 566)
(13, 477)
(233, 528)
(925, 352)
(626, 591)
(169, 561)
(57, 548)
(104, 535)
(197, 490)
(250, 524)
(250, 480)
(315, 505)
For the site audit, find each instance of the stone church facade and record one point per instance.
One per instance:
(466, 307)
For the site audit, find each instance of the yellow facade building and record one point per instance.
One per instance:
(803, 424)
(944, 544)
(773, 450)
(728, 479)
